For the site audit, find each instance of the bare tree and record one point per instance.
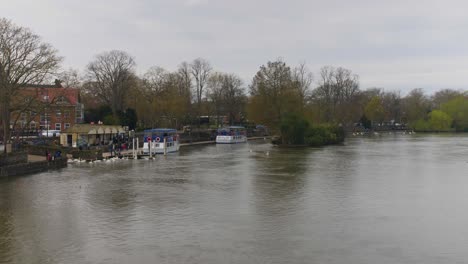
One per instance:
(234, 97)
(226, 95)
(24, 59)
(111, 75)
(443, 96)
(200, 69)
(70, 78)
(215, 93)
(337, 91)
(416, 105)
(391, 102)
(346, 89)
(304, 79)
(185, 78)
(154, 80)
(323, 94)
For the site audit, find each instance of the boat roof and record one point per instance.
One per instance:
(231, 127)
(161, 130)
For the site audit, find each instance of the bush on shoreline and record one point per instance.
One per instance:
(437, 121)
(296, 131)
(324, 134)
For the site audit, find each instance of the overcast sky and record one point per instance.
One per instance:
(396, 45)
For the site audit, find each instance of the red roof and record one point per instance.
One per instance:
(53, 93)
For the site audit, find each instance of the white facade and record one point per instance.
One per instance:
(158, 147)
(231, 139)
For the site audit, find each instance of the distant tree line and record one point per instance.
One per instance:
(278, 94)
(163, 98)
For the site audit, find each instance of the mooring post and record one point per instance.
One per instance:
(149, 147)
(136, 148)
(133, 147)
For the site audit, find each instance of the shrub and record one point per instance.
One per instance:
(315, 141)
(293, 129)
(324, 134)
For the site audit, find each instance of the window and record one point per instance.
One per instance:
(45, 117)
(79, 113)
(58, 126)
(23, 117)
(58, 113)
(66, 114)
(32, 125)
(44, 127)
(67, 125)
(61, 100)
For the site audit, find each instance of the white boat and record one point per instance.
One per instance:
(160, 141)
(50, 133)
(231, 135)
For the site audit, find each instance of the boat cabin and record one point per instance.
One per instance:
(160, 140)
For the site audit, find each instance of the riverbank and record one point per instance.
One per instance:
(23, 164)
(129, 152)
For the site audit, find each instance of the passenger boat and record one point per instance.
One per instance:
(231, 135)
(160, 141)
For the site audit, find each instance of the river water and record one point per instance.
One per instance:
(386, 199)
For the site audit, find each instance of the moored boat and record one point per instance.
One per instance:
(231, 135)
(160, 141)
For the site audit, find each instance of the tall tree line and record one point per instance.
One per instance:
(113, 92)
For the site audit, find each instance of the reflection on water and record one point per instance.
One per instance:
(6, 228)
(387, 199)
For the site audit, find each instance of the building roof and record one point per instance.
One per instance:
(94, 129)
(160, 130)
(54, 94)
(231, 128)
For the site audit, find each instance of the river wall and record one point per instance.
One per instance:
(16, 164)
(13, 158)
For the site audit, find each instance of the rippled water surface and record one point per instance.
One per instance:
(389, 199)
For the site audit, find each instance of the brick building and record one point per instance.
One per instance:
(47, 107)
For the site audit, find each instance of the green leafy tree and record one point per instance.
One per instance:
(416, 106)
(128, 118)
(366, 123)
(293, 129)
(421, 125)
(443, 96)
(274, 93)
(374, 110)
(439, 121)
(457, 109)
